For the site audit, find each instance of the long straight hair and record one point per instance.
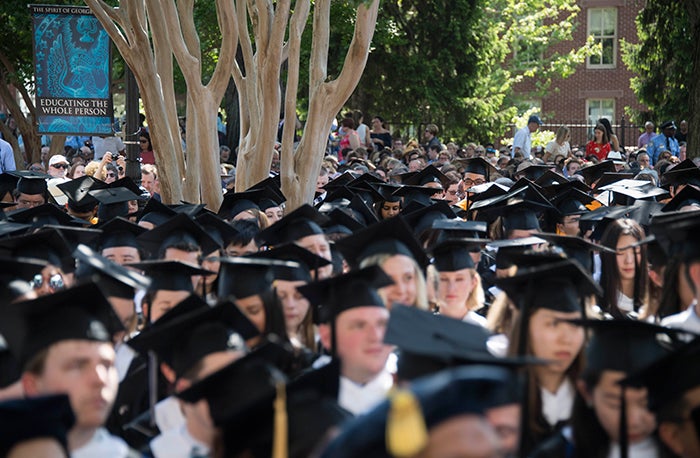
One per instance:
(610, 279)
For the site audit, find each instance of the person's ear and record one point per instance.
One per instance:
(324, 332)
(670, 434)
(694, 273)
(168, 373)
(31, 384)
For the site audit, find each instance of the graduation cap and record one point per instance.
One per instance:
(247, 381)
(429, 174)
(387, 190)
(669, 378)
(302, 222)
(423, 218)
(183, 340)
(358, 288)
(341, 180)
(477, 165)
(170, 275)
(452, 255)
(362, 212)
(180, 229)
(610, 178)
(685, 172)
(549, 178)
(339, 195)
(594, 172)
(237, 202)
(518, 208)
(47, 245)
(113, 279)
(531, 171)
(509, 248)
(42, 215)
(78, 313)
(635, 190)
(456, 228)
(120, 232)
(78, 193)
(551, 191)
(243, 277)
(274, 183)
(688, 198)
(31, 183)
(412, 195)
(155, 212)
(113, 201)
(391, 236)
(306, 262)
(677, 234)
(8, 183)
(572, 202)
(576, 248)
(35, 418)
(342, 221)
(429, 343)
(9, 228)
(217, 228)
(77, 235)
(428, 402)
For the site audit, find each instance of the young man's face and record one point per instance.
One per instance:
(84, 370)
(29, 201)
(360, 342)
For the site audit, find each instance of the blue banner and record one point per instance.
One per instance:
(72, 64)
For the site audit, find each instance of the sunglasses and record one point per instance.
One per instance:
(60, 166)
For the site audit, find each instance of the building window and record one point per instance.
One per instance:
(599, 108)
(602, 26)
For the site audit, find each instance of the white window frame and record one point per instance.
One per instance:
(604, 11)
(591, 120)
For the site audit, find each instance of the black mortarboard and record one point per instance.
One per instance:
(518, 208)
(156, 213)
(339, 195)
(32, 184)
(367, 191)
(453, 254)
(113, 202)
(34, 418)
(626, 191)
(532, 172)
(306, 260)
(670, 377)
(456, 228)
(509, 248)
(477, 165)
(78, 192)
(10, 228)
(429, 174)
(15, 274)
(362, 212)
(416, 195)
(217, 228)
(486, 191)
(302, 222)
(549, 178)
(119, 232)
(519, 215)
(593, 173)
(341, 180)
(423, 218)
(387, 191)
(566, 283)
(41, 215)
(246, 381)
(244, 277)
(170, 275)
(47, 245)
(450, 393)
(689, 196)
(572, 202)
(610, 178)
(8, 183)
(554, 190)
(237, 202)
(677, 234)
(342, 220)
(113, 279)
(78, 313)
(685, 172)
(180, 229)
(390, 236)
(627, 345)
(429, 343)
(576, 248)
(183, 340)
(358, 288)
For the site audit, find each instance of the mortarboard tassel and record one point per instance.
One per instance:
(406, 433)
(280, 439)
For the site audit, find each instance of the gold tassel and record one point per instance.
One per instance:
(279, 439)
(406, 433)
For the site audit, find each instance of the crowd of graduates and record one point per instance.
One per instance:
(438, 312)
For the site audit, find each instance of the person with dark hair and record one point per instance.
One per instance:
(381, 138)
(146, 148)
(614, 142)
(624, 274)
(599, 146)
(350, 138)
(244, 242)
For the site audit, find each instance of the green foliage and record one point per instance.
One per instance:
(662, 60)
(455, 63)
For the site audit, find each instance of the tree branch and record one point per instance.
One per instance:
(319, 45)
(227, 53)
(108, 18)
(244, 35)
(185, 9)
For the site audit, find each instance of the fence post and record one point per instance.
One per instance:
(622, 132)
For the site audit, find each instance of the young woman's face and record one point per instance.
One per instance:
(294, 305)
(554, 339)
(274, 214)
(627, 258)
(144, 144)
(455, 287)
(598, 135)
(253, 308)
(402, 270)
(605, 399)
(390, 209)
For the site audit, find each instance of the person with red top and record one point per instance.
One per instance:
(600, 145)
(147, 154)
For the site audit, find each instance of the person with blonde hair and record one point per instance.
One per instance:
(560, 144)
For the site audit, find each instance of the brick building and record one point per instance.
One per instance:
(600, 87)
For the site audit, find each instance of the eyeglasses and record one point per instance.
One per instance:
(55, 281)
(60, 166)
(477, 182)
(35, 169)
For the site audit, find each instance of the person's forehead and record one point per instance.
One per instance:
(78, 349)
(364, 313)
